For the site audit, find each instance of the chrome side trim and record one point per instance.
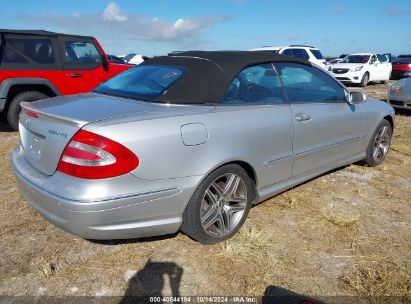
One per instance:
(275, 161)
(318, 148)
(270, 191)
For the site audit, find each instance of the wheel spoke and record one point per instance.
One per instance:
(212, 197)
(217, 189)
(238, 200)
(231, 185)
(230, 209)
(224, 221)
(375, 154)
(383, 150)
(210, 217)
(383, 132)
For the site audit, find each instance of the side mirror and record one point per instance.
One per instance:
(356, 97)
(105, 63)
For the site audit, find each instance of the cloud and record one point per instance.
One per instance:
(181, 31)
(113, 13)
(339, 9)
(396, 11)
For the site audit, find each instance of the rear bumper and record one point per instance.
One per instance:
(142, 213)
(399, 102)
(399, 74)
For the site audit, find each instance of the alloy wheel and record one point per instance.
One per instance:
(223, 205)
(381, 143)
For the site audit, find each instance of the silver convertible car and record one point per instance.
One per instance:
(191, 141)
(399, 94)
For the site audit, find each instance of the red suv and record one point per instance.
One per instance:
(39, 64)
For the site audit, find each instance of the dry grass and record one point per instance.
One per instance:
(378, 278)
(402, 140)
(249, 242)
(346, 233)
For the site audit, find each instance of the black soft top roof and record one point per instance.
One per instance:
(38, 32)
(209, 73)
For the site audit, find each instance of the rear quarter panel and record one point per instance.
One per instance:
(241, 134)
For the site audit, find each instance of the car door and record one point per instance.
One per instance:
(83, 64)
(385, 66)
(375, 70)
(256, 106)
(327, 129)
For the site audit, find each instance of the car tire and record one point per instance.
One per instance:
(364, 80)
(379, 144)
(209, 217)
(14, 107)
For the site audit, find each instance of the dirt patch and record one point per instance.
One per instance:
(347, 232)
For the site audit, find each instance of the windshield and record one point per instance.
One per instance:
(128, 57)
(317, 54)
(143, 82)
(356, 59)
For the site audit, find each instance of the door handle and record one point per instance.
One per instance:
(75, 75)
(302, 117)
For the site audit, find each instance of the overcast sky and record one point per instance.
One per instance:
(154, 27)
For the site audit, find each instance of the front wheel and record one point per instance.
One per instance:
(364, 80)
(219, 206)
(379, 144)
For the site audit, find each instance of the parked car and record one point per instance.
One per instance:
(134, 59)
(305, 52)
(115, 59)
(399, 94)
(362, 68)
(401, 68)
(332, 61)
(404, 56)
(190, 142)
(39, 64)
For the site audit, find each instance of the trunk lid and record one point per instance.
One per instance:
(47, 126)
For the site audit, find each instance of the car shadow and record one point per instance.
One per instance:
(150, 281)
(134, 240)
(279, 295)
(4, 126)
(402, 112)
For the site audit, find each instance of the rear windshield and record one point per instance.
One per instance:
(356, 59)
(317, 54)
(145, 82)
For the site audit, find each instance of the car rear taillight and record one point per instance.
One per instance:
(93, 156)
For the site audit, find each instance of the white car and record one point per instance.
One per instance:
(333, 61)
(362, 68)
(134, 58)
(305, 52)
